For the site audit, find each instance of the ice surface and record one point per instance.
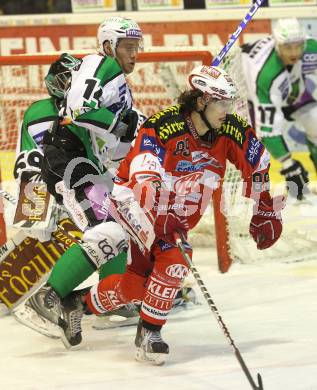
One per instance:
(270, 311)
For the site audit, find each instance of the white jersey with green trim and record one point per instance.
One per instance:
(272, 86)
(97, 100)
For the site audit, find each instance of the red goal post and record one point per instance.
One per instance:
(156, 82)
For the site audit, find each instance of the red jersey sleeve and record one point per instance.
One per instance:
(248, 155)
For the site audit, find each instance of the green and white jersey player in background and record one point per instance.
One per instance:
(281, 76)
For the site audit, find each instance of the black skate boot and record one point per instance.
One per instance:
(72, 310)
(51, 299)
(151, 347)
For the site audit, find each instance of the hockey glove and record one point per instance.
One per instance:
(134, 119)
(166, 224)
(266, 223)
(296, 177)
(167, 211)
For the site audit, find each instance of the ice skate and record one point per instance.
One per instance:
(37, 316)
(124, 316)
(151, 348)
(72, 310)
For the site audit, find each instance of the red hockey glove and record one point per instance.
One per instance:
(165, 208)
(168, 223)
(266, 223)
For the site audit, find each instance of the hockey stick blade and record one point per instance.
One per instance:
(215, 311)
(238, 31)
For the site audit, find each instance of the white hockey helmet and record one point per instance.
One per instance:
(213, 81)
(114, 28)
(288, 31)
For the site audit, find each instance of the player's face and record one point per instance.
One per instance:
(216, 112)
(127, 52)
(291, 53)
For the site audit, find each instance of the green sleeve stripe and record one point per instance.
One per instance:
(44, 119)
(26, 141)
(266, 129)
(311, 46)
(101, 117)
(108, 70)
(271, 69)
(276, 146)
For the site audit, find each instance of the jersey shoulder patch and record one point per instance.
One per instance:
(168, 123)
(234, 128)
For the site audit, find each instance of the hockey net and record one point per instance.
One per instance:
(157, 81)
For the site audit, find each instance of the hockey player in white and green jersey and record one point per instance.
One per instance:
(281, 76)
(37, 119)
(98, 126)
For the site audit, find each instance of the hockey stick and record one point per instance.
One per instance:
(238, 31)
(215, 311)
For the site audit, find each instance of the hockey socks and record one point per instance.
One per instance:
(115, 266)
(70, 270)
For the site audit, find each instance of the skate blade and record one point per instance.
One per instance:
(155, 359)
(114, 321)
(31, 319)
(66, 343)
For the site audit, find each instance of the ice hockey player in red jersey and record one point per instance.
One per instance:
(164, 185)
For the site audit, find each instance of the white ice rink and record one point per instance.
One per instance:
(270, 311)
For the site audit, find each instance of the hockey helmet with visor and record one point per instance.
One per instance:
(115, 28)
(215, 84)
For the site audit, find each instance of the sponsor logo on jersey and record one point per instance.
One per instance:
(254, 150)
(149, 143)
(284, 89)
(232, 132)
(151, 312)
(188, 166)
(162, 291)
(150, 163)
(242, 121)
(108, 300)
(174, 110)
(198, 155)
(178, 271)
(167, 130)
(309, 62)
(256, 48)
(310, 57)
(187, 184)
(164, 246)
